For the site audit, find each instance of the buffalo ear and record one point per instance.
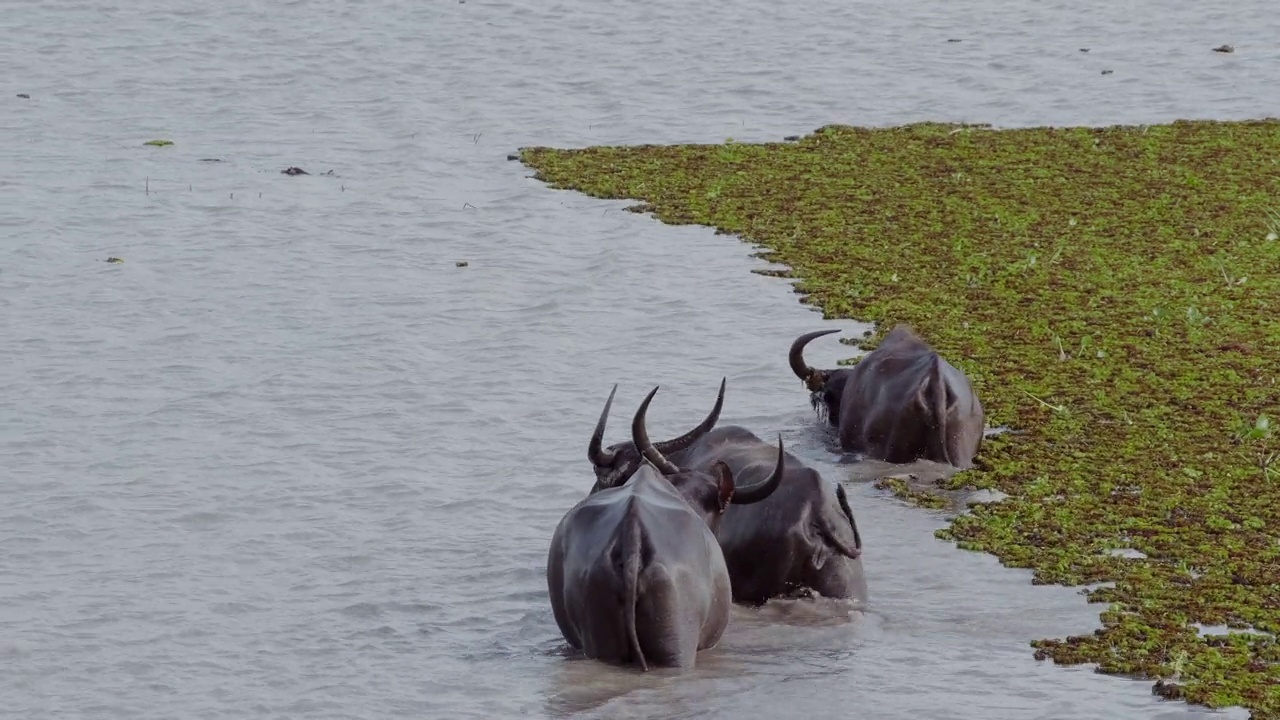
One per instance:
(724, 480)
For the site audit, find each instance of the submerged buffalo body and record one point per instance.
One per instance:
(634, 571)
(803, 536)
(901, 402)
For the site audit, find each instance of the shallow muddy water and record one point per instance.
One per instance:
(289, 460)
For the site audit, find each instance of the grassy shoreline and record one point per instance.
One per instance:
(1111, 292)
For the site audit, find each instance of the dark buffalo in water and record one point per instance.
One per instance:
(901, 402)
(634, 570)
(802, 537)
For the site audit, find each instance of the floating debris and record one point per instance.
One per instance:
(953, 39)
(1107, 72)
(513, 156)
(461, 263)
(1224, 49)
(294, 171)
(114, 260)
(1168, 690)
(158, 143)
(210, 159)
(791, 138)
(24, 96)
(1084, 49)
(906, 487)
(985, 496)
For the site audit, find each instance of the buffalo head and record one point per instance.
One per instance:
(618, 462)
(826, 387)
(708, 492)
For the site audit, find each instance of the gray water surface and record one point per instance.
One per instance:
(288, 460)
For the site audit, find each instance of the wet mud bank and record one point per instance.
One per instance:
(1107, 291)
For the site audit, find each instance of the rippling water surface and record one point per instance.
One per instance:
(288, 460)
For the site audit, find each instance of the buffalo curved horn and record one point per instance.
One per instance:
(760, 491)
(641, 439)
(595, 454)
(689, 438)
(796, 355)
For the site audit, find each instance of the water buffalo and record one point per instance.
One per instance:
(634, 570)
(901, 402)
(802, 537)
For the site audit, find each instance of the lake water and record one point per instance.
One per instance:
(289, 460)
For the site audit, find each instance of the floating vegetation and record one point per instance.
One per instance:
(114, 260)
(1111, 292)
(158, 143)
(900, 486)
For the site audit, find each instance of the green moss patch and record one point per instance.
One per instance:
(902, 488)
(1112, 292)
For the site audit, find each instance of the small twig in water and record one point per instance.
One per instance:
(1057, 408)
(476, 139)
(1264, 464)
(468, 205)
(147, 187)
(1273, 225)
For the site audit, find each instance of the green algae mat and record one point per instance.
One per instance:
(1112, 293)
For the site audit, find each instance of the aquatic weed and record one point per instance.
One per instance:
(900, 487)
(1006, 249)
